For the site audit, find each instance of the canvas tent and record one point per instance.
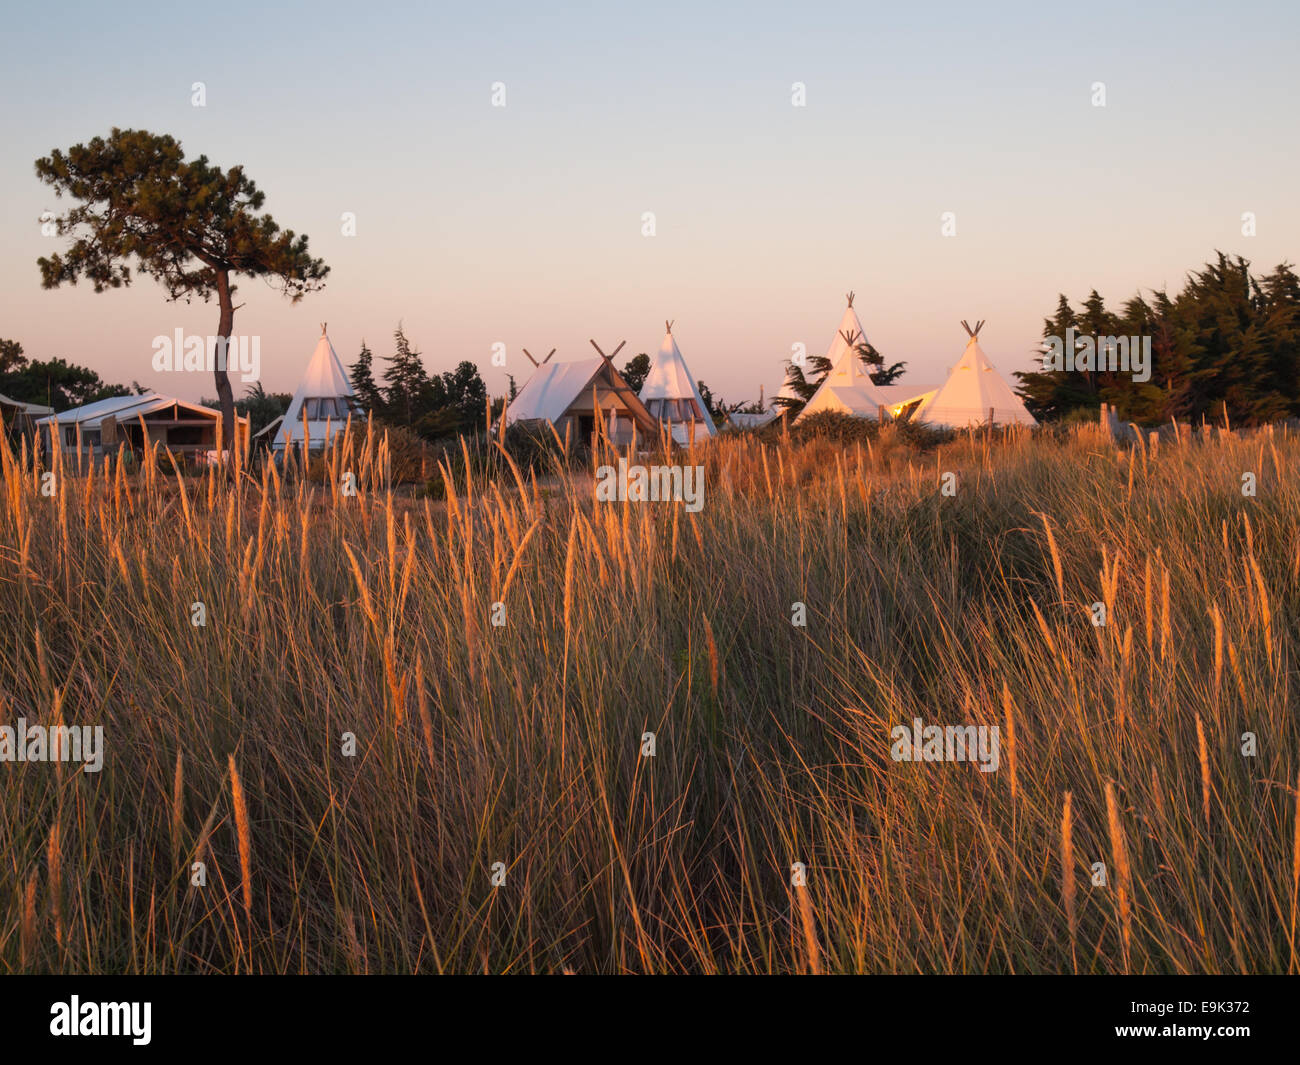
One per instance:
(135, 422)
(768, 410)
(324, 399)
(974, 393)
(574, 396)
(751, 419)
(746, 420)
(847, 388)
(671, 395)
(897, 398)
(17, 406)
(21, 418)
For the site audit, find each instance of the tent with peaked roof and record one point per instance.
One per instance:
(137, 422)
(325, 399)
(671, 395)
(974, 393)
(20, 417)
(575, 396)
(847, 388)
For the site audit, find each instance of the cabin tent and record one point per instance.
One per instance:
(974, 394)
(20, 417)
(573, 396)
(137, 422)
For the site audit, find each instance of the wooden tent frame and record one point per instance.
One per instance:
(534, 361)
(638, 410)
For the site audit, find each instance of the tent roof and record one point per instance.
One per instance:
(901, 395)
(324, 378)
(269, 427)
(33, 409)
(974, 387)
(669, 378)
(852, 327)
(555, 386)
(750, 421)
(845, 399)
(552, 388)
(125, 408)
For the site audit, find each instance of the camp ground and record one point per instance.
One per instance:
(575, 398)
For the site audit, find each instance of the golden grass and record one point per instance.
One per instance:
(1068, 873)
(476, 743)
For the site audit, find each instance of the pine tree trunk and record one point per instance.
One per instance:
(225, 396)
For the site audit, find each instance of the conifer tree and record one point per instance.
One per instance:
(363, 382)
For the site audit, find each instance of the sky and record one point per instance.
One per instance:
(523, 225)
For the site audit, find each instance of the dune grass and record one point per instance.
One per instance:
(336, 620)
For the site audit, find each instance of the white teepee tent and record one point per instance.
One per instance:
(974, 394)
(326, 398)
(672, 397)
(847, 388)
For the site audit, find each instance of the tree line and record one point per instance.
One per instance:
(1229, 342)
(430, 405)
(53, 382)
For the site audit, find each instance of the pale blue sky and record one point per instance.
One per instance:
(523, 224)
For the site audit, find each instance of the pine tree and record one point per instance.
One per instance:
(408, 391)
(1228, 343)
(636, 371)
(194, 228)
(465, 393)
(363, 382)
(1051, 394)
(713, 410)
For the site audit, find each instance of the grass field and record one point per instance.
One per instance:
(522, 743)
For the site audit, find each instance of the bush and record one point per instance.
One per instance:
(409, 457)
(836, 427)
(845, 430)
